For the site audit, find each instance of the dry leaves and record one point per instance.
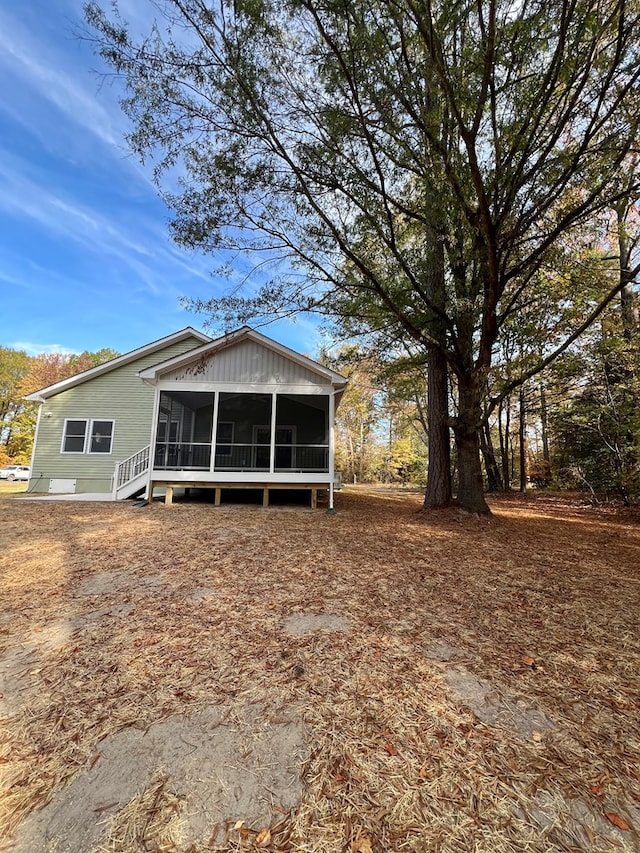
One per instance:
(362, 844)
(618, 821)
(263, 838)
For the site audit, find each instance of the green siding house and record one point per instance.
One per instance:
(186, 411)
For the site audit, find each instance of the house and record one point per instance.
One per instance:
(188, 411)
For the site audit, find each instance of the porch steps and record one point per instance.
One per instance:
(132, 475)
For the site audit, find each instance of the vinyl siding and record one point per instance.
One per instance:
(119, 395)
(247, 362)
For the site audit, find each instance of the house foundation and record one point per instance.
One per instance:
(169, 486)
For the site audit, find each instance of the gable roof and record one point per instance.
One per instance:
(114, 363)
(245, 333)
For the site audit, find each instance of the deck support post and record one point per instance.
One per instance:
(168, 496)
(265, 496)
(218, 497)
(314, 499)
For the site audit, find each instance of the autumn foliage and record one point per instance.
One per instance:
(21, 375)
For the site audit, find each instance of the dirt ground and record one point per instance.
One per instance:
(194, 678)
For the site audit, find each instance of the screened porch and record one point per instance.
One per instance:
(218, 432)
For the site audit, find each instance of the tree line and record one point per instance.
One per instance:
(574, 426)
(21, 375)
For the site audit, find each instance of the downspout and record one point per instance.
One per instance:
(272, 448)
(35, 443)
(332, 411)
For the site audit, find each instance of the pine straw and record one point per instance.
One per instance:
(542, 601)
(149, 821)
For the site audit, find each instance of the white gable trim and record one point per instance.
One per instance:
(127, 358)
(154, 374)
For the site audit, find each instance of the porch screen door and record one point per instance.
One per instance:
(285, 452)
(261, 446)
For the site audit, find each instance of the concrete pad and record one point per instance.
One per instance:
(88, 496)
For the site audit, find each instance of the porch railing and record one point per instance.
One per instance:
(302, 457)
(133, 467)
(183, 455)
(242, 457)
(239, 457)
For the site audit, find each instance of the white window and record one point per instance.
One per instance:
(82, 435)
(100, 437)
(74, 436)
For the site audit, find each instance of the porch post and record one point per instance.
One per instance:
(116, 477)
(214, 430)
(272, 448)
(332, 410)
(148, 494)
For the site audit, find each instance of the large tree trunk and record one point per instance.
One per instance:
(438, 492)
(467, 437)
(494, 477)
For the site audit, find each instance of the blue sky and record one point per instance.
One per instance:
(85, 257)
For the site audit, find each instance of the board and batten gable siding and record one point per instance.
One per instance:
(119, 395)
(246, 362)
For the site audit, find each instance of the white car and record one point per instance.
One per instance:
(15, 472)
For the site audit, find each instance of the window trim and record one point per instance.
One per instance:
(88, 433)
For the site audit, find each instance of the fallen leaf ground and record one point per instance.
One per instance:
(113, 616)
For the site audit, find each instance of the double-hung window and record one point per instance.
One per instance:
(82, 435)
(74, 437)
(100, 437)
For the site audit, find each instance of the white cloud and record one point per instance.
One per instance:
(53, 93)
(16, 280)
(24, 197)
(40, 349)
(85, 250)
(136, 240)
(32, 61)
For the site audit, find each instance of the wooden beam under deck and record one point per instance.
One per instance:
(169, 486)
